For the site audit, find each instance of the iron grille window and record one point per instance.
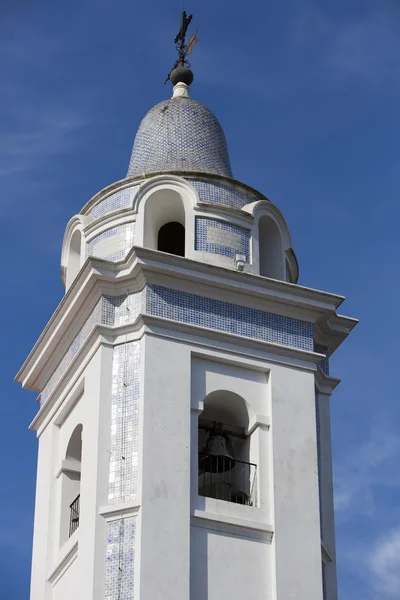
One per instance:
(74, 516)
(227, 479)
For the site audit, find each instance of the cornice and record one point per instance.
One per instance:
(143, 266)
(325, 384)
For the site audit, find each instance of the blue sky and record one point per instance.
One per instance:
(308, 94)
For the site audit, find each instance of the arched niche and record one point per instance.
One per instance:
(271, 254)
(74, 257)
(165, 222)
(71, 485)
(223, 424)
(171, 238)
(74, 448)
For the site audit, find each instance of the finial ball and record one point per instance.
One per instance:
(181, 74)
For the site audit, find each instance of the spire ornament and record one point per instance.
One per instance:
(180, 72)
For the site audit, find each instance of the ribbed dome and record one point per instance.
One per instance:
(180, 134)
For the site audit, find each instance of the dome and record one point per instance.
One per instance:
(180, 134)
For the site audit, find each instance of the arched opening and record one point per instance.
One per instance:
(74, 257)
(171, 238)
(71, 485)
(225, 472)
(74, 449)
(270, 249)
(164, 222)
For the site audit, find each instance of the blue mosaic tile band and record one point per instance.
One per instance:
(180, 134)
(119, 310)
(120, 559)
(121, 199)
(219, 194)
(124, 445)
(231, 318)
(324, 364)
(191, 309)
(114, 243)
(219, 237)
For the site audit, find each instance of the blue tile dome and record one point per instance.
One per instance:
(180, 134)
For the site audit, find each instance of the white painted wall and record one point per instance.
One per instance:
(226, 564)
(296, 502)
(328, 514)
(58, 561)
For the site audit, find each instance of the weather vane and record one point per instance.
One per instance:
(181, 65)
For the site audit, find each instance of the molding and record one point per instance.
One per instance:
(69, 553)
(68, 466)
(242, 218)
(159, 326)
(327, 556)
(236, 525)
(293, 263)
(325, 384)
(109, 190)
(258, 421)
(123, 216)
(122, 509)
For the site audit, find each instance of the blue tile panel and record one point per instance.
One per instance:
(118, 310)
(113, 244)
(179, 134)
(121, 199)
(120, 559)
(220, 194)
(124, 441)
(231, 318)
(219, 237)
(186, 308)
(324, 364)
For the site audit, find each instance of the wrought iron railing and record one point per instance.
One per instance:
(227, 479)
(74, 515)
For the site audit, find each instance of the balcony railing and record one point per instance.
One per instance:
(227, 479)
(74, 516)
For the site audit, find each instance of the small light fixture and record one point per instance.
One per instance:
(240, 261)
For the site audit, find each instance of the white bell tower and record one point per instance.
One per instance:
(184, 428)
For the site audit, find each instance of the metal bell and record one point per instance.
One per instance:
(215, 458)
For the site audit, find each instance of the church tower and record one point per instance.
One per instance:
(184, 426)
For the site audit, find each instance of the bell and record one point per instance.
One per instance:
(215, 458)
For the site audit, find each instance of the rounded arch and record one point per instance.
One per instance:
(165, 199)
(272, 243)
(71, 485)
(162, 208)
(225, 472)
(74, 448)
(171, 238)
(74, 257)
(271, 253)
(73, 249)
(227, 407)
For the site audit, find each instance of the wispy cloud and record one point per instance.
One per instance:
(39, 141)
(364, 470)
(364, 47)
(37, 124)
(384, 565)
(316, 50)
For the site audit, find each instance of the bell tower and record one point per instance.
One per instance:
(184, 428)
